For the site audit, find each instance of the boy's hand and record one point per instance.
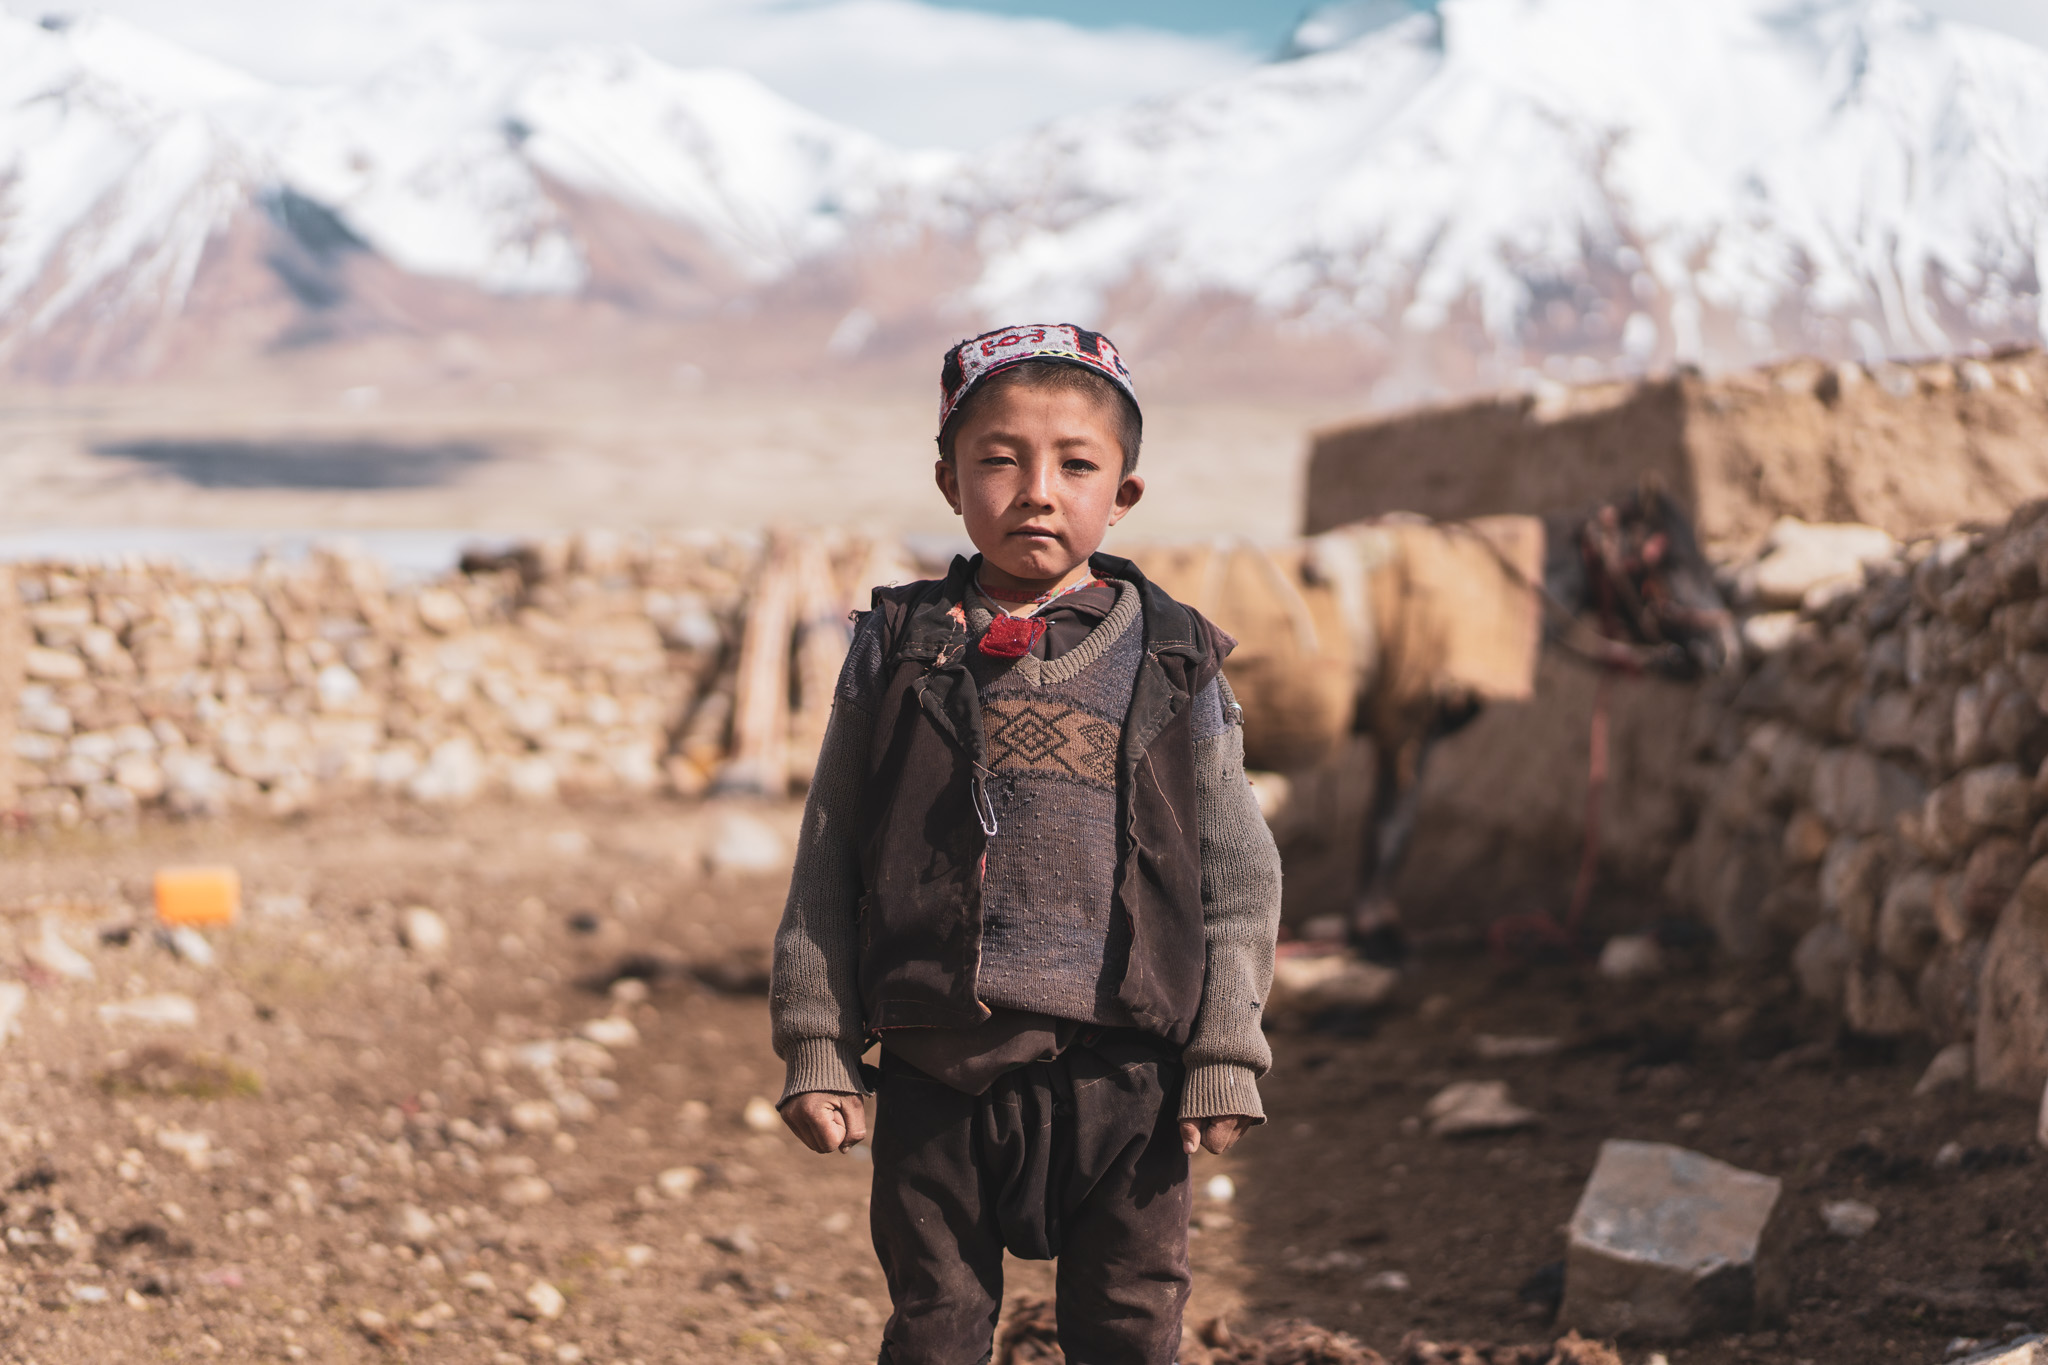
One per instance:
(827, 1122)
(1219, 1135)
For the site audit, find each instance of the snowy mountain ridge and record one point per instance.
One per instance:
(1452, 192)
(1633, 181)
(123, 156)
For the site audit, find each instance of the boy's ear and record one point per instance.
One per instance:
(1127, 494)
(948, 479)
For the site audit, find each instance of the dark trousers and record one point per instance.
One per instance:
(1076, 1159)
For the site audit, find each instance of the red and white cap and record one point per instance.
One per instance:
(976, 358)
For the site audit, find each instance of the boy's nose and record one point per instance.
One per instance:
(1037, 489)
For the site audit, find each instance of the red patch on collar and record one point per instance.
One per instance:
(1011, 637)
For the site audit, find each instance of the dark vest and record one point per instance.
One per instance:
(925, 826)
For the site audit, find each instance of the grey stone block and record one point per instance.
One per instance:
(2024, 1351)
(1668, 1244)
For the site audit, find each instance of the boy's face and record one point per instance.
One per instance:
(1038, 477)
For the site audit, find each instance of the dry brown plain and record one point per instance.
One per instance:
(576, 456)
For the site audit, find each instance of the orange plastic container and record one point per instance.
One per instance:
(198, 895)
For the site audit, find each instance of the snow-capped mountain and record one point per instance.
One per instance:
(116, 169)
(1628, 181)
(1427, 194)
(126, 165)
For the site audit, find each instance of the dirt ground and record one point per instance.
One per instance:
(363, 1191)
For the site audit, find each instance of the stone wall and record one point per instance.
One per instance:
(1877, 805)
(592, 665)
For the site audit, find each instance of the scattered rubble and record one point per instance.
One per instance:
(1949, 1068)
(1848, 1218)
(1667, 1244)
(424, 931)
(2029, 1350)
(1473, 1108)
(49, 952)
(1309, 983)
(152, 1011)
(1631, 957)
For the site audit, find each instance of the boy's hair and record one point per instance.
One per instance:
(1054, 376)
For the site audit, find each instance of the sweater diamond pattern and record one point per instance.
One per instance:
(1050, 739)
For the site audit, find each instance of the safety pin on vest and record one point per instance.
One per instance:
(984, 807)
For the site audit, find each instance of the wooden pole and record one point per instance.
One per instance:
(760, 726)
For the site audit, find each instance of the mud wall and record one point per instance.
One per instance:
(1915, 449)
(1878, 810)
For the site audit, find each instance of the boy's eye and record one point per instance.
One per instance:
(1080, 466)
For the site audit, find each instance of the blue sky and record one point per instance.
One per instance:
(1260, 24)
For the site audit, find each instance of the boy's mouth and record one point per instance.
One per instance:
(1035, 533)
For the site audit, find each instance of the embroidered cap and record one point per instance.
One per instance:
(975, 359)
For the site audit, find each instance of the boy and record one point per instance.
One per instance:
(1032, 868)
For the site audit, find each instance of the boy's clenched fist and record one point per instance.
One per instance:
(827, 1122)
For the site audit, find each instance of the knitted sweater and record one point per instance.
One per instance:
(1051, 941)
(815, 1005)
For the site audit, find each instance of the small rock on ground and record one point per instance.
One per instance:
(1470, 1108)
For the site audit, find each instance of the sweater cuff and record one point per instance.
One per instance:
(1220, 1089)
(821, 1064)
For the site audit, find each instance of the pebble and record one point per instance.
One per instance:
(1948, 1156)
(678, 1182)
(152, 1011)
(1950, 1067)
(760, 1116)
(477, 1282)
(414, 1224)
(1388, 1282)
(424, 932)
(743, 844)
(613, 1031)
(89, 1293)
(1220, 1188)
(638, 1256)
(1631, 957)
(545, 1300)
(195, 1147)
(49, 951)
(740, 1241)
(1330, 981)
(13, 1000)
(534, 1117)
(189, 945)
(569, 843)
(1466, 1108)
(2029, 1349)
(525, 1191)
(1848, 1218)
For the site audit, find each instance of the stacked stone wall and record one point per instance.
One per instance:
(595, 665)
(1878, 806)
